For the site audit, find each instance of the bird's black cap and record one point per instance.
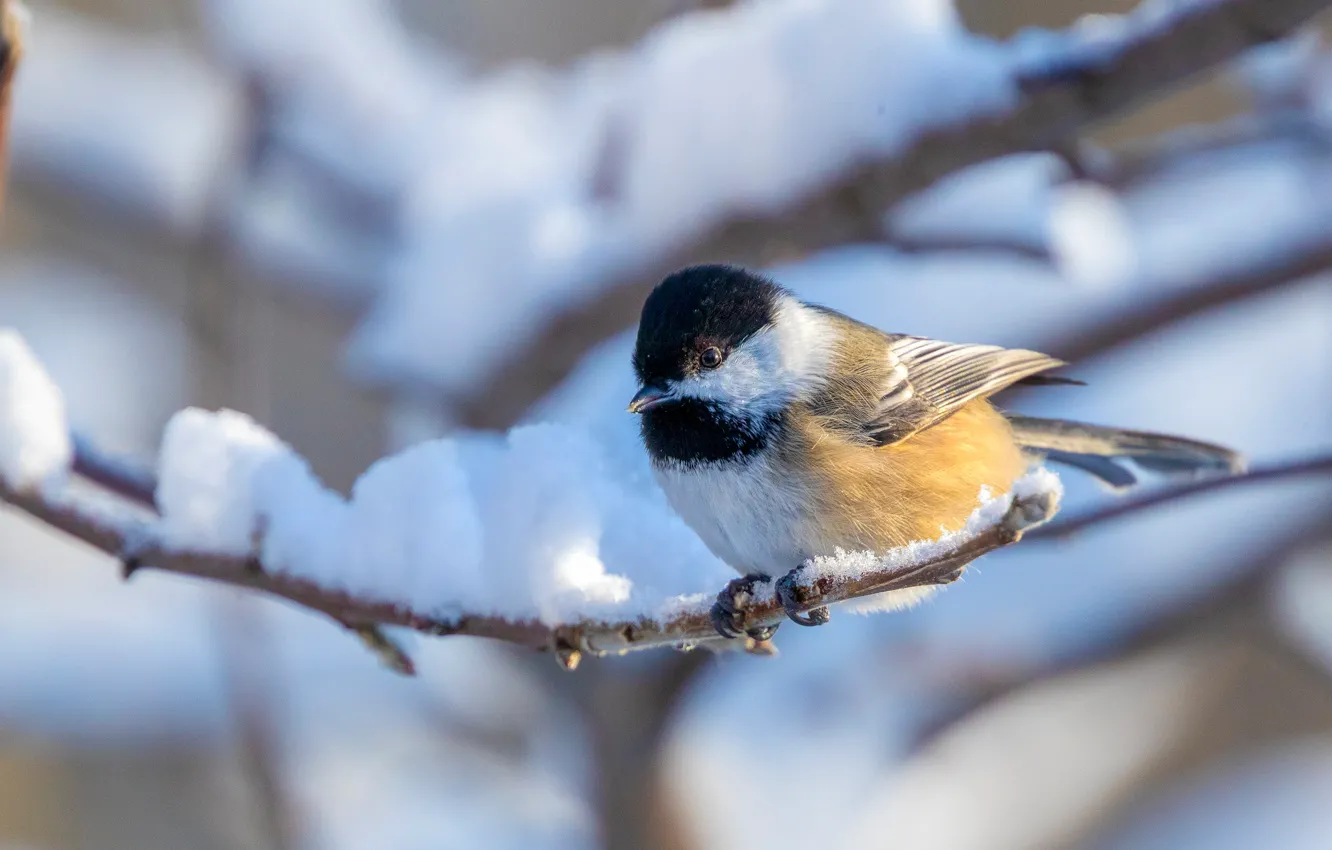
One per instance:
(699, 307)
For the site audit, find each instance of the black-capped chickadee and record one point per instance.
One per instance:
(782, 430)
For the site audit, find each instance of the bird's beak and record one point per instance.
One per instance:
(646, 398)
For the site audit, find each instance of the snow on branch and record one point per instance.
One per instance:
(533, 538)
(31, 451)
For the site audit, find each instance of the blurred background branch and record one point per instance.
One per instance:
(1072, 525)
(1237, 603)
(1060, 101)
(1083, 86)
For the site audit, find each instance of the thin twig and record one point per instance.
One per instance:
(117, 475)
(1072, 525)
(137, 486)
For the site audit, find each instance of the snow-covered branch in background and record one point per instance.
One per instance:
(535, 538)
(530, 210)
(758, 161)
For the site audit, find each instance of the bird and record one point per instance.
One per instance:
(781, 430)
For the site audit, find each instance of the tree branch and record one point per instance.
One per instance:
(1057, 103)
(1072, 525)
(130, 539)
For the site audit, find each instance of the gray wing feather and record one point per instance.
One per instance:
(929, 381)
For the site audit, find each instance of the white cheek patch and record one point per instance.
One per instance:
(778, 363)
(804, 340)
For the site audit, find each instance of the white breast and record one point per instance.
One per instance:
(753, 515)
(749, 513)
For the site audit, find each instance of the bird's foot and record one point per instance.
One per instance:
(795, 601)
(728, 612)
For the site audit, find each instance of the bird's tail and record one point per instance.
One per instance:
(1096, 450)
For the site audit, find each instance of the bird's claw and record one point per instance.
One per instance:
(728, 612)
(792, 595)
(723, 619)
(762, 633)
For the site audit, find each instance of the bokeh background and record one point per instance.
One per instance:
(177, 232)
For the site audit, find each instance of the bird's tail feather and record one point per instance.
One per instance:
(1095, 449)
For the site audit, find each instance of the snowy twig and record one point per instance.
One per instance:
(1059, 101)
(131, 541)
(137, 486)
(1294, 469)
(143, 542)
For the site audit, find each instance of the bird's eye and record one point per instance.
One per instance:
(711, 357)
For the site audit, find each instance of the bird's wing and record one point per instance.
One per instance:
(927, 381)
